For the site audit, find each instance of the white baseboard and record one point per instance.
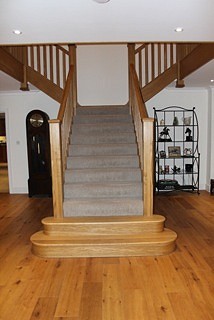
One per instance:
(18, 191)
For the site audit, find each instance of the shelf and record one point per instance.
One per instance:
(182, 157)
(174, 174)
(179, 125)
(175, 139)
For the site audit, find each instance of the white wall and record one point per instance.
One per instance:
(16, 106)
(189, 98)
(102, 74)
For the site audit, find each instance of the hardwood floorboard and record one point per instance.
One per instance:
(179, 286)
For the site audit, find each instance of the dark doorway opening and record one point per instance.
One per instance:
(4, 181)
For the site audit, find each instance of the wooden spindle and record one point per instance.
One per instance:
(51, 62)
(146, 65)
(140, 67)
(171, 54)
(38, 60)
(45, 61)
(57, 67)
(64, 69)
(152, 61)
(32, 57)
(159, 58)
(165, 56)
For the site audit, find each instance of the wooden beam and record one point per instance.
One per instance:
(11, 66)
(45, 85)
(159, 83)
(202, 54)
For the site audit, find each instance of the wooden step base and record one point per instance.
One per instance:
(103, 225)
(103, 246)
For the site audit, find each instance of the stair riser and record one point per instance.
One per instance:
(106, 162)
(102, 119)
(102, 129)
(128, 137)
(99, 176)
(130, 225)
(102, 191)
(117, 249)
(108, 208)
(102, 110)
(89, 150)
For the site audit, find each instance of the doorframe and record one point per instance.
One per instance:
(6, 112)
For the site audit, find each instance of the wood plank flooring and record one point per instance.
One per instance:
(179, 286)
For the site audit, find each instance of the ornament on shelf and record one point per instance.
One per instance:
(175, 121)
(188, 134)
(164, 135)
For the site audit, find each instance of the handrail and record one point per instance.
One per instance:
(136, 87)
(65, 94)
(59, 138)
(144, 128)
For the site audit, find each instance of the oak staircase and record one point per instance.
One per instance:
(102, 168)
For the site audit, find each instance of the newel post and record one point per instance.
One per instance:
(148, 165)
(24, 84)
(131, 61)
(179, 56)
(56, 166)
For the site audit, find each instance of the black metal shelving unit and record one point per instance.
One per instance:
(177, 157)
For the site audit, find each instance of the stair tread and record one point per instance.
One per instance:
(86, 170)
(108, 124)
(104, 220)
(106, 144)
(104, 200)
(121, 109)
(104, 184)
(130, 156)
(164, 236)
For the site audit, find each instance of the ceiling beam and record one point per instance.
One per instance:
(11, 66)
(202, 54)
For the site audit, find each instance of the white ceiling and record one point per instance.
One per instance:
(85, 21)
(118, 20)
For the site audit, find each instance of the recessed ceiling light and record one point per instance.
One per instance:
(101, 1)
(179, 29)
(212, 80)
(17, 32)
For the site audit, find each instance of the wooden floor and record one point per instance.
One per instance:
(179, 286)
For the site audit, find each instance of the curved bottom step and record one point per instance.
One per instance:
(152, 244)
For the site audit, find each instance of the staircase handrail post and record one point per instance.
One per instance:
(144, 127)
(24, 85)
(56, 166)
(131, 61)
(73, 61)
(148, 165)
